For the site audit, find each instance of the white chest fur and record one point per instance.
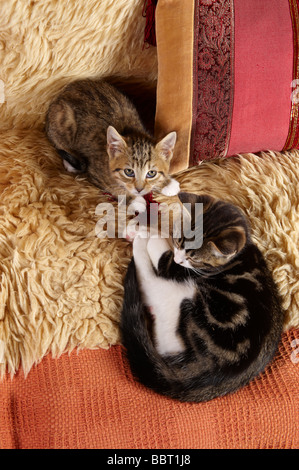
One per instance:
(162, 296)
(165, 298)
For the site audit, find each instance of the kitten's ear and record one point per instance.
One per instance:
(115, 142)
(61, 125)
(188, 198)
(228, 243)
(67, 119)
(206, 200)
(166, 145)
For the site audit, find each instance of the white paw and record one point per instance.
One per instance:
(69, 167)
(139, 248)
(134, 231)
(172, 189)
(138, 204)
(142, 232)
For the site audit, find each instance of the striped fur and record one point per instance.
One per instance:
(98, 132)
(229, 320)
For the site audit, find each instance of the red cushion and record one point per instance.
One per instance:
(243, 60)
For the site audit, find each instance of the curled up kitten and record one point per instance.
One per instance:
(97, 131)
(200, 322)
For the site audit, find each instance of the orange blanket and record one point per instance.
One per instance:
(90, 400)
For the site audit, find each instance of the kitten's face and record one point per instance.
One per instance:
(206, 258)
(136, 178)
(224, 235)
(181, 257)
(138, 165)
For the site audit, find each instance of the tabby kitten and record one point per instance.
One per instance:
(97, 131)
(200, 323)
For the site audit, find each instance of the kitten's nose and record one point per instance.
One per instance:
(179, 256)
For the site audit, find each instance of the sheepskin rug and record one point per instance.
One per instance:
(45, 44)
(62, 286)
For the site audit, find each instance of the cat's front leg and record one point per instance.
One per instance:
(172, 189)
(136, 204)
(140, 247)
(142, 260)
(135, 228)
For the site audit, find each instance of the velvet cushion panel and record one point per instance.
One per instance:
(227, 76)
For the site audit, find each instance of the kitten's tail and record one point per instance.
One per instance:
(146, 364)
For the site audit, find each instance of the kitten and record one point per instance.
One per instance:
(97, 131)
(216, 317)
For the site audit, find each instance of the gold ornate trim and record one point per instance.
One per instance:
(293, 135)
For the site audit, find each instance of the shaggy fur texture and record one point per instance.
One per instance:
(45, 44)
(61, 286)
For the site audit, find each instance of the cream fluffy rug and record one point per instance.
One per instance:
(61, 286)
(45, 44)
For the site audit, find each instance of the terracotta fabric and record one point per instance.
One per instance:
(90, 400)
(231, 92)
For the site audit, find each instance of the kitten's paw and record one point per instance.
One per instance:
(172, 189)
(138, 204)
(129, 232)
(132, 232)
(69, 167)
(139, 247)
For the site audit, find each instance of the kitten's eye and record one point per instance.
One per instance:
(129, 172)
(151, 174)
(190, 255)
